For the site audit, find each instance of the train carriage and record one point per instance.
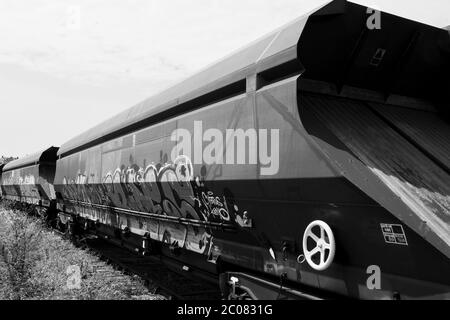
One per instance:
(313, 157)
(1, 169)
(29, 180)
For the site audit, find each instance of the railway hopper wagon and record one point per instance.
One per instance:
(1, 169)
(315, 160)
(29, 181)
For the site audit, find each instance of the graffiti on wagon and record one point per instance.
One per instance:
(171, 190)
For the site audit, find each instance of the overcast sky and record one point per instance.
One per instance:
(60, 76)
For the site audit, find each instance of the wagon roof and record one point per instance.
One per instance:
(269, 51)
(330, 44)
(32, 159)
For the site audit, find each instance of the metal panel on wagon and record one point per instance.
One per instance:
(427, 129)
(30, 179)
(409, 174)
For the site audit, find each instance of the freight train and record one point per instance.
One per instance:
(313, 163)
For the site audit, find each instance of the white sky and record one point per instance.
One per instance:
(53, 70)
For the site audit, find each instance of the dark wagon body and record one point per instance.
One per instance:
(363, 146)
(30, 179)
(1, 169)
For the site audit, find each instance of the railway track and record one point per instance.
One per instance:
(155, 271)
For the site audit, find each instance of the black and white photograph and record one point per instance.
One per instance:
(224, 155)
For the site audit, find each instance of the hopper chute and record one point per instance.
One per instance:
(385, 95)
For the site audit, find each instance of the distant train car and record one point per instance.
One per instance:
(317, 157)
(29, 180)
(1, 169)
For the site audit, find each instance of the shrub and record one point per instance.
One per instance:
(34, 262)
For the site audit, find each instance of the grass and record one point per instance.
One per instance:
(36, 263)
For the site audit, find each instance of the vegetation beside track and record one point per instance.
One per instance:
(37, 263)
